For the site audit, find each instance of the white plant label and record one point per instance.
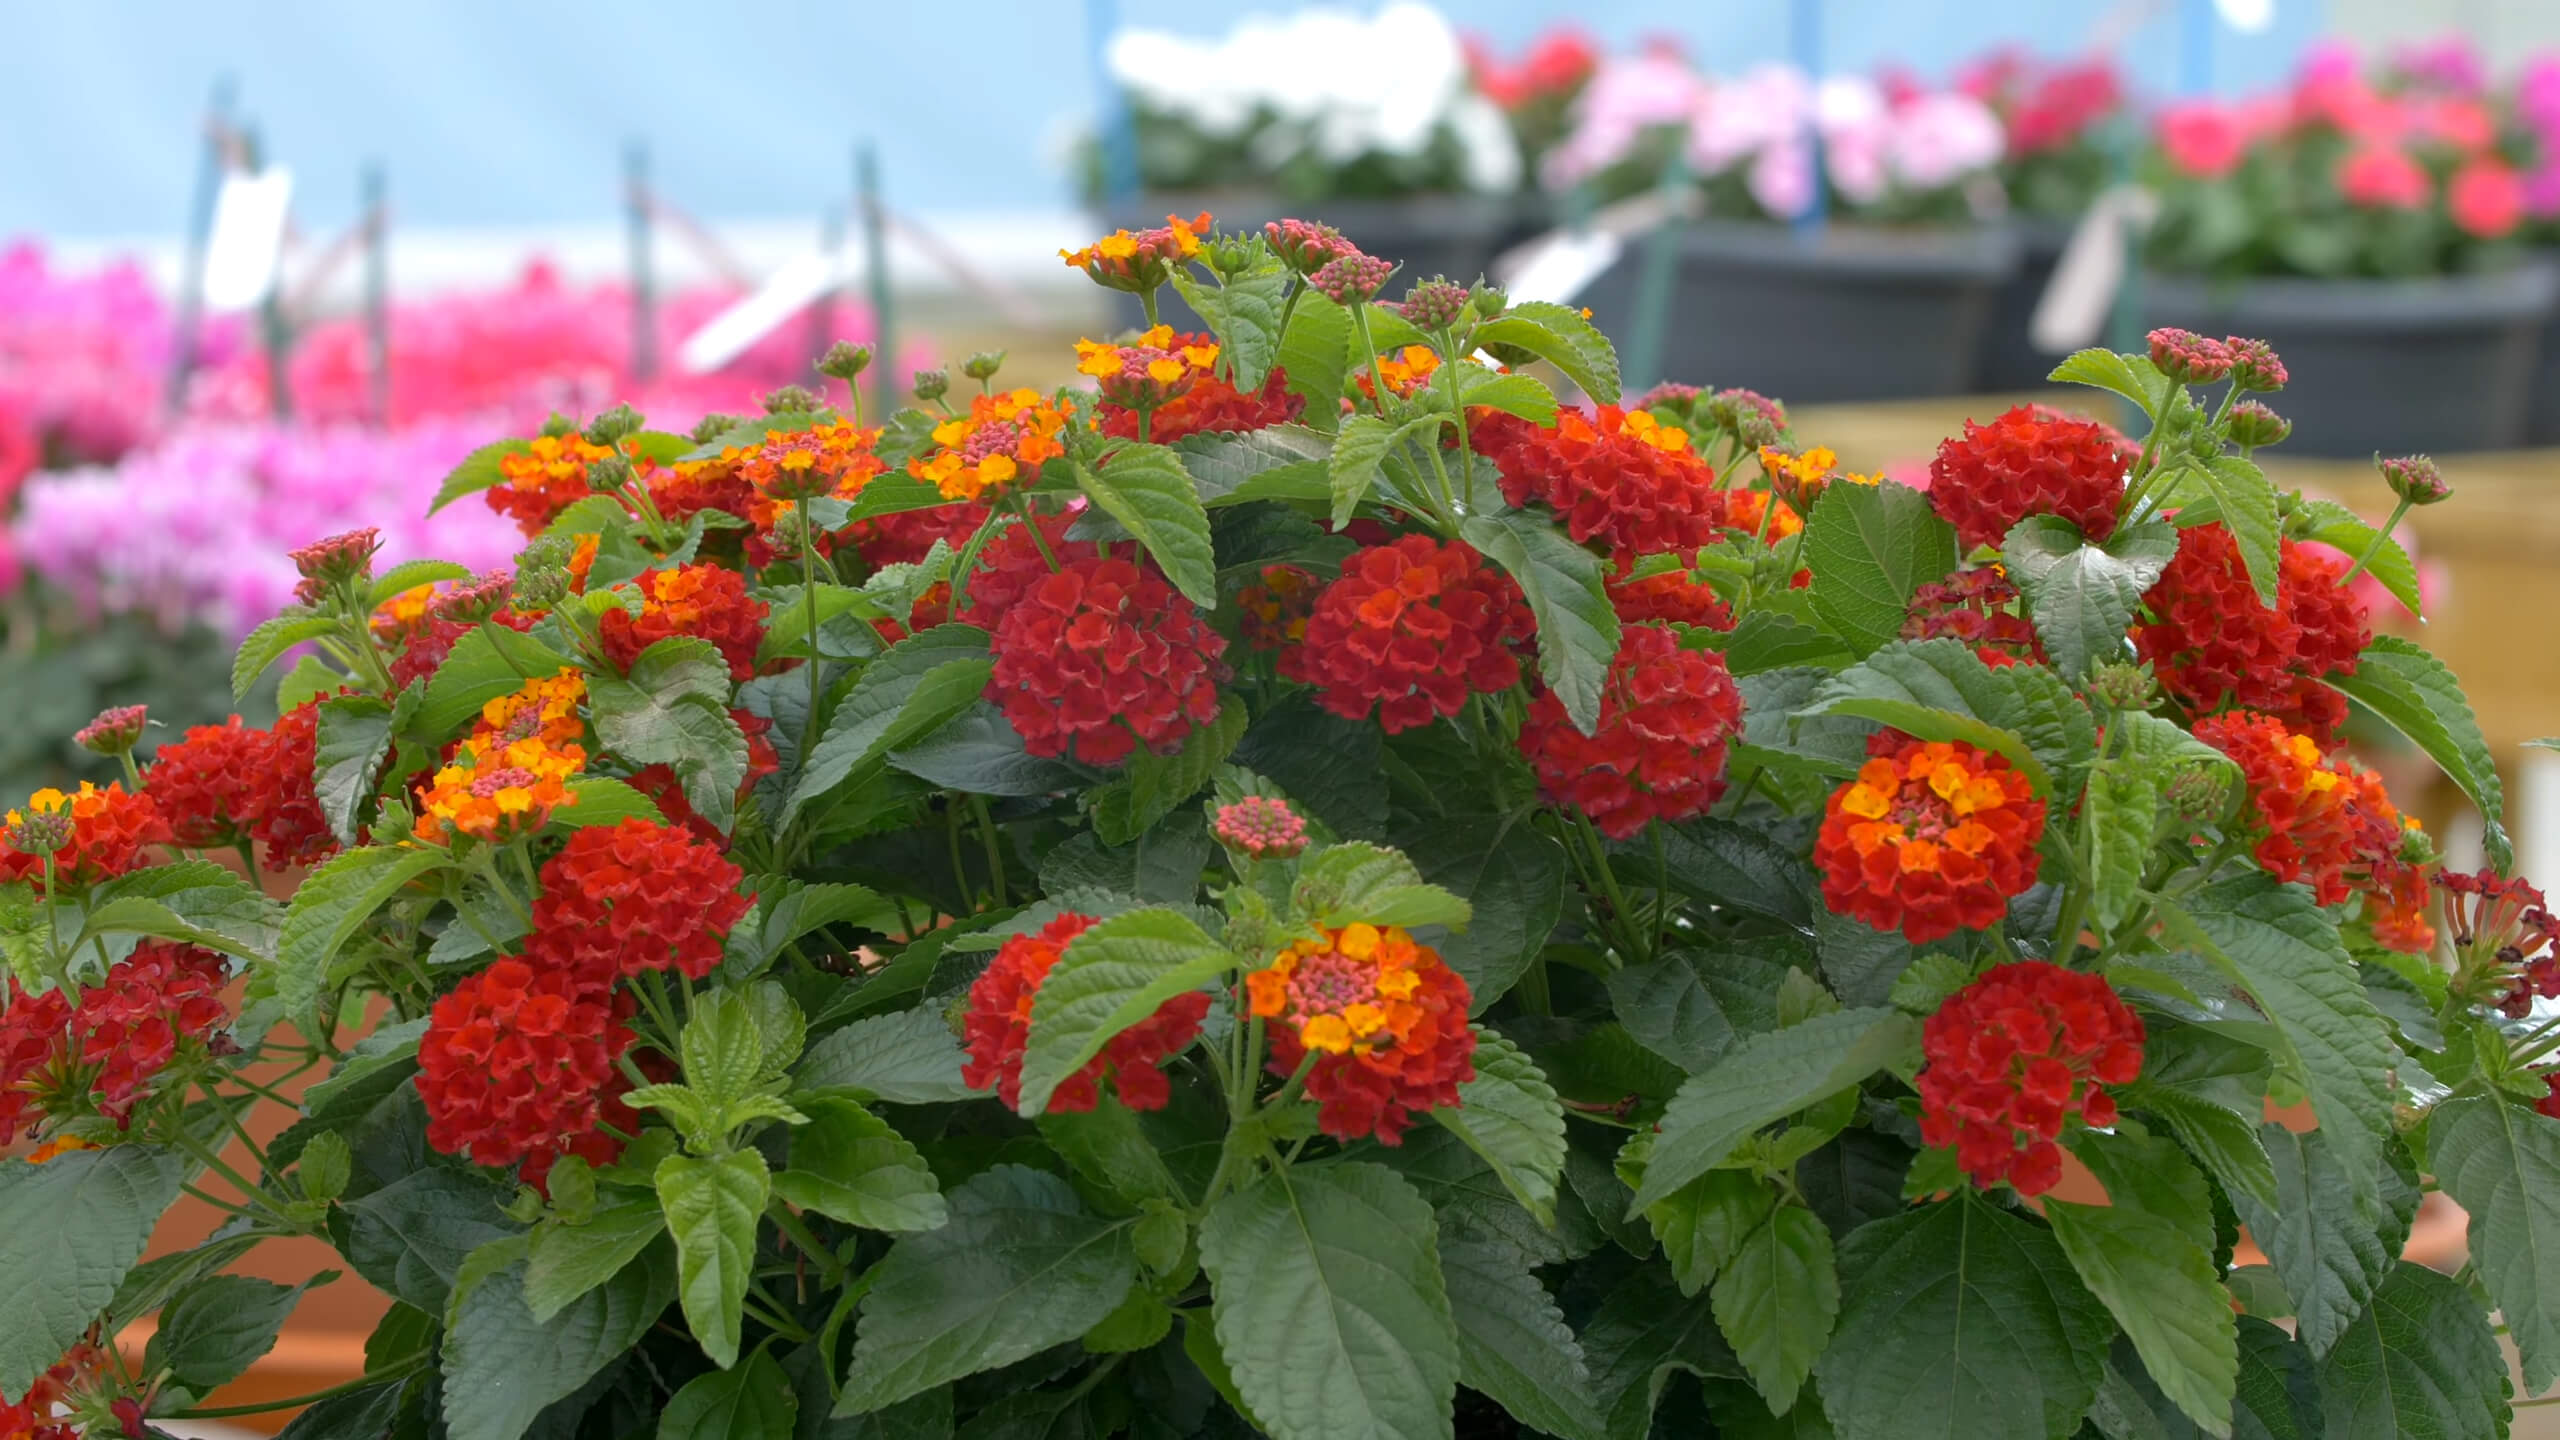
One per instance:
(733, 331)
(247, 244)
(2073, 310)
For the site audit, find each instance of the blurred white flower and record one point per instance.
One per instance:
(1942, 137)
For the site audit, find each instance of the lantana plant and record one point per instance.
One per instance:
(1313, 888)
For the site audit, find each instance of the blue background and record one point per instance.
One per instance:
(515, 111)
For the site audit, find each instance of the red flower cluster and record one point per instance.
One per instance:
(2214, 645)
(1211, 406)
(548, 476)
(1971, 606)
(2015, 1054)
(1386, 1018)
(998, 1027)
(32, 1416)
(1931, 838)
(1260, 827)
(1671, 596)
(1411, 628)
(622, 899)
(708, 602)
(689, 487)
(907, 536)
(226, 783)
(2029, 461)
(1273, 612)
(1013, 564)
(518, 1065)
(102, 834)
(2503, 930)
(2328, 824)
(1103, 656)
(107, 1047)
(1621, 478)
(666, 789)
(1659, 751)
(289, 825)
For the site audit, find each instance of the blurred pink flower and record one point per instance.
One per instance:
(2203, 138)
(1627, 96)
(1939, 139)
(2486, 198)
(2538, 95)
(2383, 177)
(2450, 64)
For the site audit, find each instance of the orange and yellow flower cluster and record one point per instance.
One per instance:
(1139, 262)
(1931, 838)
(1384, 1017)
(1003, 438)
(830, 458)
(1156, 367)
(514, 769)
(547, 477)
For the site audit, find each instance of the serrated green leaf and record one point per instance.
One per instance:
(1509, 1115)
(1512, 880)
(1559, 335)
(1151, 786)
(1279, 462)
(2329, 1258)
(477, 671)
(502, 1369)
(908, 1057)
(2415, 694)
(1513, 1343)
(1145, 488)
(1470, 387)
(1577, 626)
(2246, 503)
(848, 1163)
(1360, 450)
(410, 1238)
(1960, 1322)
(2162, 1288)
(1691, 1007)
(70, 1229)
(2419, 1364)
(308, 680)
(1643, 1333)
(268, 643)
(1870, 547)
(2334, 524)
(755, 1401)
(478, 471)
(980, 752)
(1019, 1268)
(713, 1207)
(410, 574)
(1776, 1300)
(327, 910)
(2128, 376)
(1764, 640)
(2081, 596)
(566, 1261)
(354, 739)
(1763, 1080)
(1941, 690)
(210, 1334)
(1244, 313)
(921, 684)
(1359, 882)
(1316, 352)
(1113, 975)
(595, 800)
(2145, 1173)
(2501, 1163)
(1330, 1306)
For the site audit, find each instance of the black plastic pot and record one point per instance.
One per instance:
(1855, 313)
(2542, 411)
(2010, 359)
(2440, 364)
(1452, 235)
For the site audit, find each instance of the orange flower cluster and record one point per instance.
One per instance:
(547, 477)
(2327, 823)
(1620, 478)
(1932, 837)
(1659, 750)
(1405, 371)
(1157, 367)
(708, 602)
(1210, 407)
(832, 457)
(513, 769)
(2029, 461)
(2214, 645)
(1749, 511)
(1673, 596)
(92, 835)
(1139, 262)
(998, 1029)
(1385, 1018)
(1003, 438)
(1411, 629)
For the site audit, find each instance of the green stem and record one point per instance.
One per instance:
(486, 860)
(1369, 347)
(1147, 302)
(801, 1235)
(367, 1380)
(994, 847)
(1628, 936)
(1466, 446)
(809, 596)
(2374, 546)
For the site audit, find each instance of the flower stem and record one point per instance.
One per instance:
(401, 1371)
(809, 597)
(994, 847)
(1147, 302)
(2374, 546)
(1369, 347)
(801, 1235)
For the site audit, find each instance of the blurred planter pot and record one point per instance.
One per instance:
(1856, 313)
(1452, 235)
(2438, 364)
(2542, 418)
(2010, 360)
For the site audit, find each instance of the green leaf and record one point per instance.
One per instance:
(1941, 690)
(1702, 1224)
(2416, 695)
(1512, 879)
(69, 1230)
(1776, 1301)
(268, 643)
(908, 1057)
(981, 753)
(2162, 1288)
(1559, 335)
(673, 710)
(354, 740)
(2082, 597)
(478, 471)
(332, 904)
(1469, 387)
(211, 1334)
(1357, 881)
(1513, 1343)
(2148, 1174)
(566, 1261)
(1244, 313)
(921, 684)
(1725, 862)
(2247, 504)
(1870, 547)
(1330, 1306)
(1361, 449)
(192, 900)
(2277, 945)
(848, 1163)
(1109, 1146)
(1316, 353)
(1691, 1007)
(1766, 1079)
(752, 1402)
(1280, 462)
(2128, 376)
(1644, 1331)
(2123, 808)
(308, 680)
(410, 574)
(595, 800)
(1577, 626)
(2225, 1141)
(1145, 488)
(477, 671)
(1110, 977)
(787, 910)
(712, 1210)
(410, 1238)
(2420, 1362)
(1152, 785)
(502, 1369)
(1765, 640)
(2329, 1258)
(1020, 1267)
(1961, 1322)
(2334, 524)
(2501, 1163)
(1509, 1115)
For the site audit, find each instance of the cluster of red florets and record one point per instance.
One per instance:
(225, 783)
(1658, 752)
(708, 602)
(2503, 930)
(2214, 644)
(517, 1065)
(1621, 478)
(109, 1044)
(1932, 837)
(1015, 562)
(688, 488)
(102, 834)
(2015, 1054)
(1972, 606)
(1260, 827)
(1674, 596)
(907, 536)
(1101, 657)
(998, 1028)
(2029, 461)
(665, 788)
(2328, 823)
(1411, 628)
(622, 899)
(1212, 406)
(32, 1416)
